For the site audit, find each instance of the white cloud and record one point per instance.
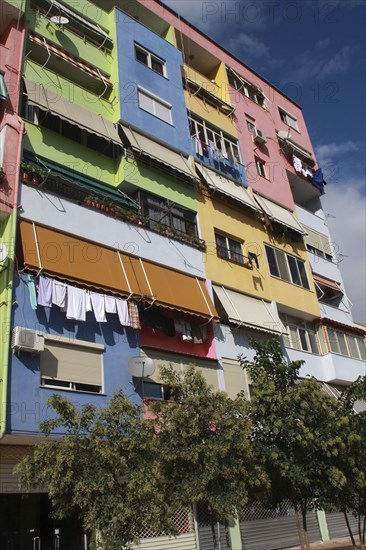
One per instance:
(348, 229)
(307, 66)
(244, 44)
(330, 153)
(337, 64)
(322, 43)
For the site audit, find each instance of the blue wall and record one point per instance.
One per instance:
(132, 74)
(27, 398)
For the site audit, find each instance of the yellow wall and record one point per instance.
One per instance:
(235, 222)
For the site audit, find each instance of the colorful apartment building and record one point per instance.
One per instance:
(170, 208)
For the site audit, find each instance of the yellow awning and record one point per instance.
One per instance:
(90, 264)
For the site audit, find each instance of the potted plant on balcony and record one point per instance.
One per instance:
(25, 170)
(38, 175)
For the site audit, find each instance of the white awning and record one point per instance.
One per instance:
(217, 182)
(143, 144)
(72, 112)
(249, 312)
(279, 214)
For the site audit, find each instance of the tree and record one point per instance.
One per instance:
(105, 469)
(205, 448)
(351, 497)
(297, 429)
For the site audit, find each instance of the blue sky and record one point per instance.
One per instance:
(315, 51)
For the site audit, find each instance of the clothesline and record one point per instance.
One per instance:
(77, 302)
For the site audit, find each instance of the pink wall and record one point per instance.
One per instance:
(277, 186)
(11, 50)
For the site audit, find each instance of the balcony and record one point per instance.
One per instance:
(214, 158)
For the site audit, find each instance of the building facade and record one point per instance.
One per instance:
(170, 208)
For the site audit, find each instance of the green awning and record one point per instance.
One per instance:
(3, 90)
(92, 186)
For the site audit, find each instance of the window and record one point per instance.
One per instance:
(229, 249)
(250, 125)
(166, 213)
(288, 119)
(155, 106)
(246, 88)
(220, 143)
(261, 167)
(301, 335)
(286, 267)
(345, 344)
(72, 366)
(318, 244)
(150, 60)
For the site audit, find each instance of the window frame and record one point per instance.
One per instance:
(300, 327)
(72, 385)
(223, 142)
(226, 252)
(150, 58)
(334, 340)
(247, 89)
(261, 168)
(288, 119)
(169, 212)
(283, 268)
(156, 101)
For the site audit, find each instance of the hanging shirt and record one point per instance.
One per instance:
(76, 303)
(297, 163)
(45, 288)
(123, 312)
(32, 292)
(59, 294)
(134, 315)
(98, 307)
(110, 304)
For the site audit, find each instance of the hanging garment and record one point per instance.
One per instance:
(32, 291)
(134, 315)
(59, 294)
(317, 180)
(198, 147)
(297, 163)
(76, 303)
(88, 303)
(110, 304)
(123, 312)
(197, 335)
(205, 150)
(45, 287)
(98, 304)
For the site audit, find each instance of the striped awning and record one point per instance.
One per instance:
(52, 48)
(86, 263)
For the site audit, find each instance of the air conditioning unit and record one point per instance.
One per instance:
(259, 136)
(25, 339)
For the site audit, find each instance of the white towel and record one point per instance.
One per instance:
(76, 303)
(88, 304)
(110, 304)
(297, 163)
(123, 314)
(59, 294)
(98, 306)
(45, 285)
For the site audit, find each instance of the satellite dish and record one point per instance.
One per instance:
(4, 252)
(140, 367)
(284, 134)
(59, 20)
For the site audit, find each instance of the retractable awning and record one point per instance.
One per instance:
(247, 311)
(200, 89)
(158, 152)
(327, 282)
(3, 90)
(279, 214)
(229, 188)
(86, 263)
(59, 52)
(296, 149)
(75, 114)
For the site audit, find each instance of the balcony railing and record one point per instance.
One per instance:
(228, 166)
